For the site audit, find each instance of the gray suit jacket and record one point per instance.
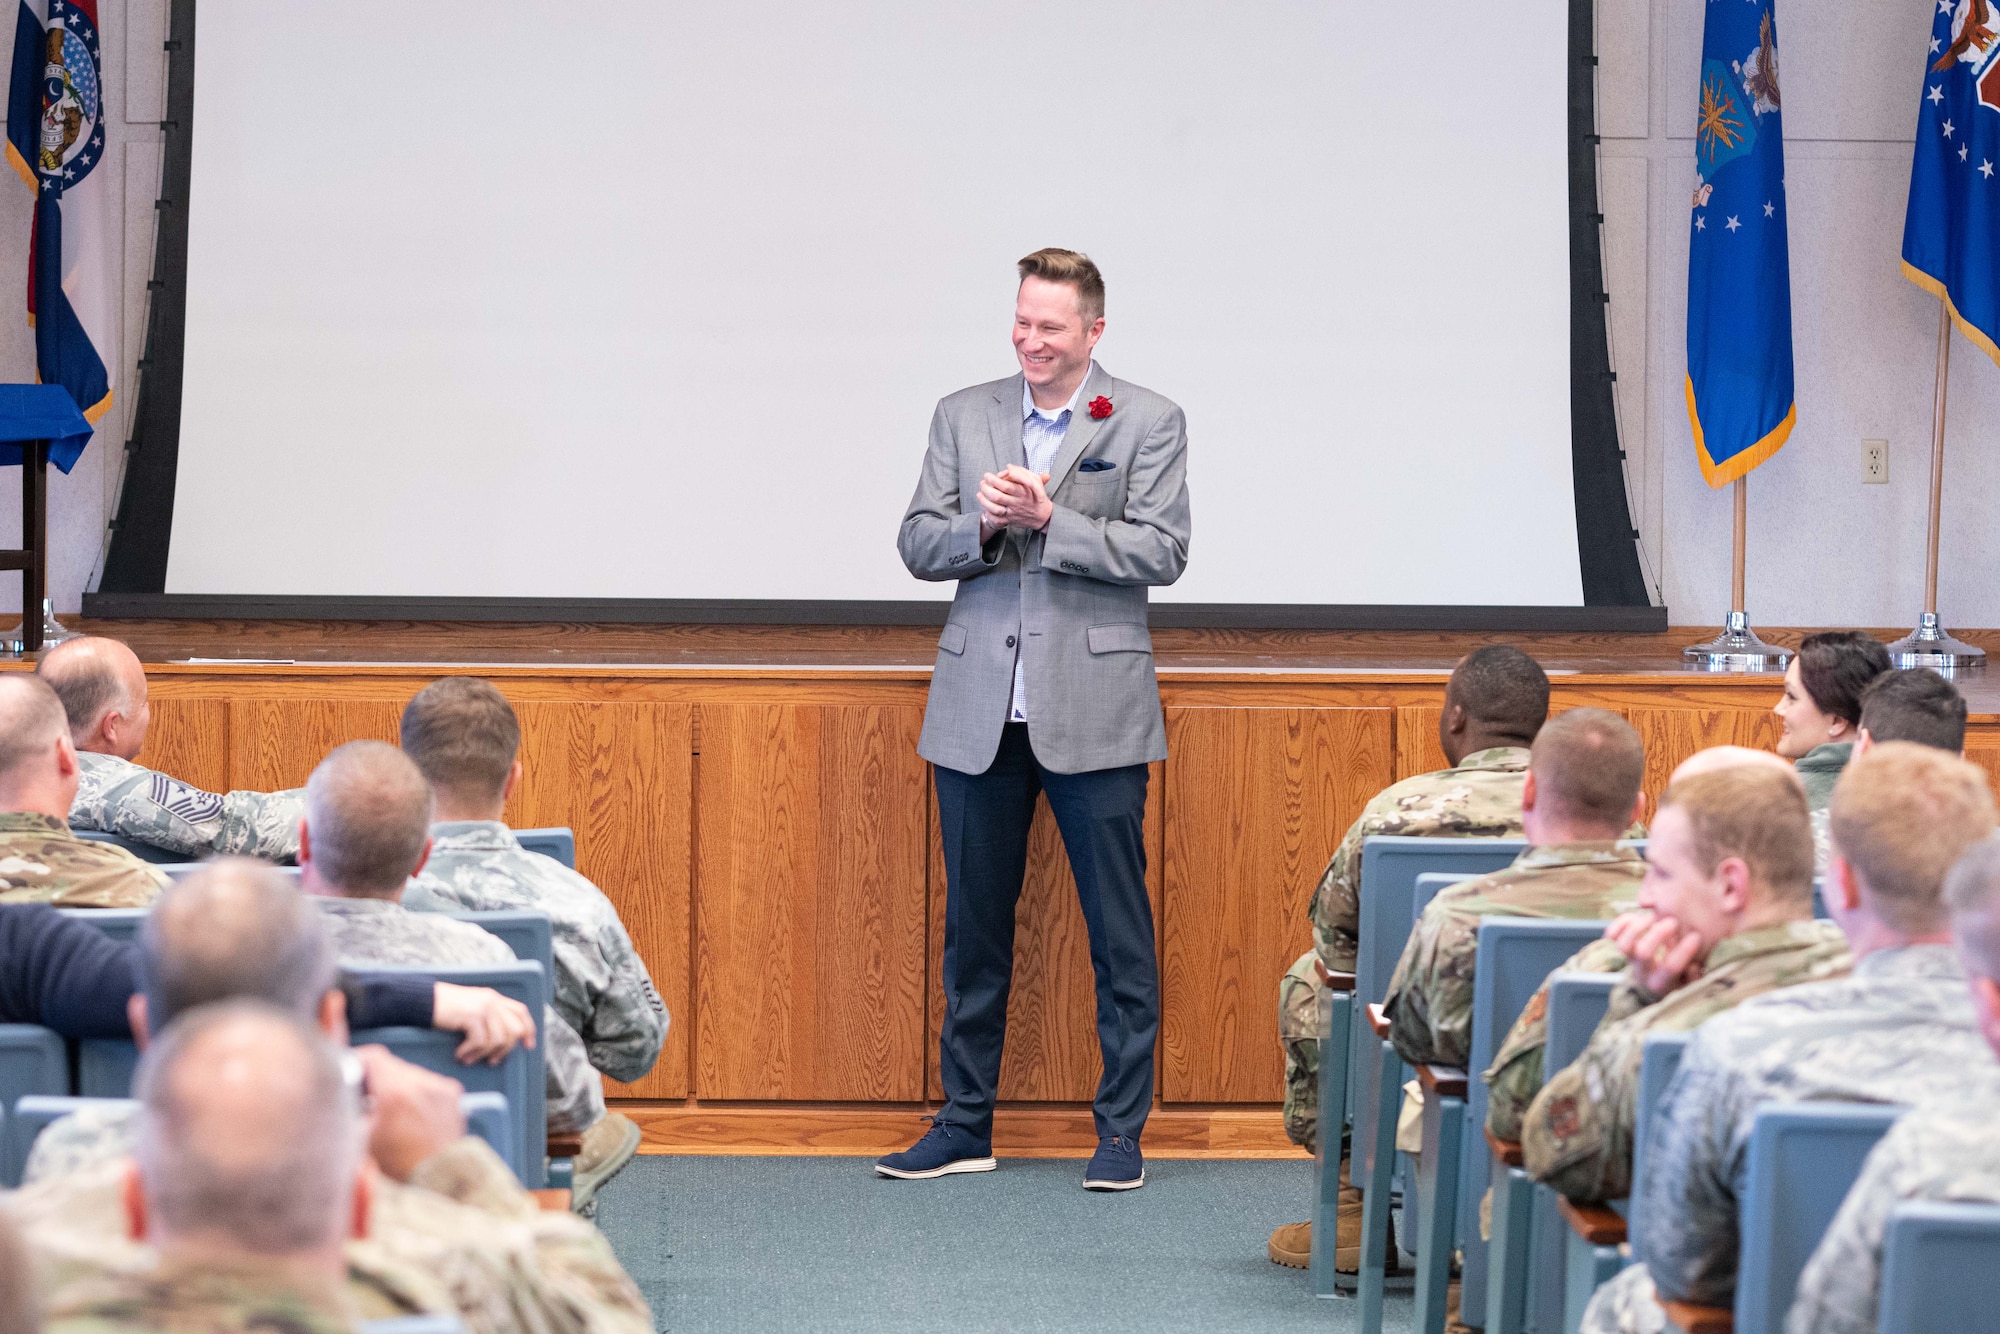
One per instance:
(1071, 600)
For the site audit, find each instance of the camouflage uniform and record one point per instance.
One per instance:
(382, 931)
(1945, 1150)
(1900, 1028)
(119, 797)
(1481, 798)
(602, 989)
(190, 1300)
(1516, 1073)
(1429, 1003)
(1819, 769)
(1577, 1133)
(42, 862)
(461, 1237)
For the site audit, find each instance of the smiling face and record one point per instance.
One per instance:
(1676, 886)
(1805, 726)
(1051, 340)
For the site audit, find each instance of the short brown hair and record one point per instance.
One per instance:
(1588, 763)
(463, 735)
(1901, 815)
(1754, 813)
(1075, 269)
(368, 812)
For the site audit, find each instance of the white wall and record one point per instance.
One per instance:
(1824, 548)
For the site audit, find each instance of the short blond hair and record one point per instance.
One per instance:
(1073, 268)
(1902, 815)
(1757, 814)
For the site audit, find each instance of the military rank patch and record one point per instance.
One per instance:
(1563, 1120)
(188, 803)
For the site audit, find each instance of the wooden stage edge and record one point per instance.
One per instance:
(862, 1130)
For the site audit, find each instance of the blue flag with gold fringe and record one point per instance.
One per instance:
(1739, 320)
(1951, 234)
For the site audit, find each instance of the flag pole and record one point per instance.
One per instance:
(1929, 645)
(1737, 648)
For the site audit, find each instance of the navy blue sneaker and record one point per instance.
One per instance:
(944, 1149)
(1117, 1165)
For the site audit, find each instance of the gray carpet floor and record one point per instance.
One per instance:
(812, 1244)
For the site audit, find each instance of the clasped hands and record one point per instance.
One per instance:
(1664, 955)
(1015, 498)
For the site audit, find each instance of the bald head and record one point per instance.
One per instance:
(1717, 758)
(103, 693)
(250, 1139)
(37, 763)
(367, 826)
(235, 930)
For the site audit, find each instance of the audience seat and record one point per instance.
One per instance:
(33, 1063)
(1524, 1258)
(118, 923)
(143, 851)
(555, 842)
(1515, 956)
(526, 931)
(1940, 1267)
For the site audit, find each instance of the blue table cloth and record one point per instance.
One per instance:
(41, 412)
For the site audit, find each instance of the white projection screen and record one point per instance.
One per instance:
(654, 300)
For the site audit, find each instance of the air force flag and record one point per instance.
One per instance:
(1739, 320)
(55, 140)
(1951, 234)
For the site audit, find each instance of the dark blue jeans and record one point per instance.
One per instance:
(985, 819)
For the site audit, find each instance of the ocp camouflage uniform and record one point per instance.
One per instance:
(381, 931)
(1516, 1073)
(119, 797)
(1480, 798)
(1899, 1028)
(1578, 1131)
(460, 1237)
(186, 1299)
(1429, 1003)
(602, 989)
(1944, 1150)
(41, 861)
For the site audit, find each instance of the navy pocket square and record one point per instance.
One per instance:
(1096, 465)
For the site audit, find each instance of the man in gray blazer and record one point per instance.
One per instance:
(1055, 498)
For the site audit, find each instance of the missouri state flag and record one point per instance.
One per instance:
(1951, 233)
(1739, 321)
(55, 140)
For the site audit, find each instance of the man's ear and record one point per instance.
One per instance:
(135, 1014)
(513, 781)
(305, 843)
(1843, 888)
(1863, 743)
(132, 1193)
(1638, 815)
(1734, 873)
(1528, 792)
(423, 858)
(364, 1204)
(333, 1015)
(65, 756)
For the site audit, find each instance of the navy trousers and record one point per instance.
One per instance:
(985, 819)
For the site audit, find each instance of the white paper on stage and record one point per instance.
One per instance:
(655, 300)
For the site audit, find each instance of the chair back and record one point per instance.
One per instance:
(1659, 1062)
(120, 924)
(31, 1116)
(555, 842)
(487, 1117)
(519, 1077)
(1577, 1005)
(1429, 885)
(34, 1062)
(143, 851)
(105, 1066)
(1803, 1158)
(1819, 899)
(1940, 1267)
(525, 930)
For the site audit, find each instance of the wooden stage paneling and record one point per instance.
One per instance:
(752, 800)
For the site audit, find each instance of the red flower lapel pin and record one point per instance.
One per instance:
(1100, 408)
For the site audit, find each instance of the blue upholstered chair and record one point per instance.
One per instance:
(1940, 1267)
(525, 930)
(553, 842)
(1515, 956)
(117, 923)
(33, 1063)
(1524, 1259)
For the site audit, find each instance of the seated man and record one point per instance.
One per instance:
(103, 692)
(1899, 1028)
(1912, 704)
(449, 1230)
(366, 831)
(1944, 1149)
(247, 1181)
(41, 861)
(1725, 914)
(464, 738)
(1494, 703)
(1581, 795)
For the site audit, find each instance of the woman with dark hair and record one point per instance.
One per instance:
(1821, 711)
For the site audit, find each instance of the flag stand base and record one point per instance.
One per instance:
(1736, 649)
(1930, 645)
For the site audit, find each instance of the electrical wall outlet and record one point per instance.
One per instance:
(1874, 461)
